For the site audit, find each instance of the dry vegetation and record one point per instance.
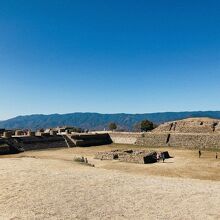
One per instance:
(48, 184)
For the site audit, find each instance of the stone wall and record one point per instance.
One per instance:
(4, 148)
(107, 155)
(141, 158)
(195, 140)
(192, 140)
(86, 140)
(153, 139)
(130, 156)
(7, 146)
(124, 137)
(40, 142)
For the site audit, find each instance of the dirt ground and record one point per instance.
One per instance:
(185, 163)
(48, 184)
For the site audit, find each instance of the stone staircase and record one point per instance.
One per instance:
(86, 140)
(69, 141)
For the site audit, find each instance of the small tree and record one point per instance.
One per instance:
(144, 125)
(112, 126)
(147, 125)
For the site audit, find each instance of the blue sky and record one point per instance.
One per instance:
(109, 56)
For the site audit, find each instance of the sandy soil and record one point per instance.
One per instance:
(49, 185)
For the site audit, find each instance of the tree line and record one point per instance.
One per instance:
(144, 125)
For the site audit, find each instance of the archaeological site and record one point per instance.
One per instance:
(202, 133)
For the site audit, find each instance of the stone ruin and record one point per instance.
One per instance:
(10, 143)
(202, 133)
(132, 156)
(190, 125)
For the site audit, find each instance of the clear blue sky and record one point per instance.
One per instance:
(109, 56)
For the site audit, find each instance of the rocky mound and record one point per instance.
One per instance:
(133, 156)
(190, 125)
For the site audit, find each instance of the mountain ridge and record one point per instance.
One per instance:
(98, 121)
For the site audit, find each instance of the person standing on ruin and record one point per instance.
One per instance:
(163, 157)
(200, 154)
(216, 155)
(158, 157)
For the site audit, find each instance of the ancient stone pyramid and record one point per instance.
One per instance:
(190, 125)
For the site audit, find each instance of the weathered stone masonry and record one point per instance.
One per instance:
(124, 137)
(180, 140)
(188, 133)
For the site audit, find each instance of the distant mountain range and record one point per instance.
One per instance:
(96, 121)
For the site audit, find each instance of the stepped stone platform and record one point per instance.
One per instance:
(16, 144)
(191, 125)
(41, 142)
(201, 133)
(132, 156)
(23, 143)
(86, 140)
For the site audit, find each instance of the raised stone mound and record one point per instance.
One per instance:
(141, 157)
(190, 125)
(132, 156)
